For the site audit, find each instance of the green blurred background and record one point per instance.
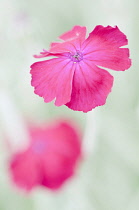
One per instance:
(108, 177)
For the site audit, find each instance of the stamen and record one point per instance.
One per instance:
(76, 57)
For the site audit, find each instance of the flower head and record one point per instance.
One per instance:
(50, 159)
(74, 77)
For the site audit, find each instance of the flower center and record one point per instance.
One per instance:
(76, 57)
(38, 146)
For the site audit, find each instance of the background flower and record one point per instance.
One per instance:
(50, 159)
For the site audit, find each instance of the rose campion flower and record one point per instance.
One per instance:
(74, 77)
(50, 159)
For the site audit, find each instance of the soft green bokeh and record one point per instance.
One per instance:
(108, 178)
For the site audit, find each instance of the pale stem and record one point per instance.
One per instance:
(89, 139)
(12, 123)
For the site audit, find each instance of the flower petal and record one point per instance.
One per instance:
(24, 170)
(91, 86)
(110, 35)
(102, 48)
(75, 32)
(63, 154)
(116, 59)
(71, 42)
(53, 79)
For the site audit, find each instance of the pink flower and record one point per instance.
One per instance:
(73, 78)
(50, 159)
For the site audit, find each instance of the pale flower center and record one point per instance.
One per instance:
(38, 146)
(76, 57)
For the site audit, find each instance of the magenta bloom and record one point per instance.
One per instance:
(74, 77)
(50, 159)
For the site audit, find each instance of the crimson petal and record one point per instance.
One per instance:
(91, 86)
(102, 47)
(53, 79)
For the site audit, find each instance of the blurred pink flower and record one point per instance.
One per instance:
(50, 159)
(73, 77)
